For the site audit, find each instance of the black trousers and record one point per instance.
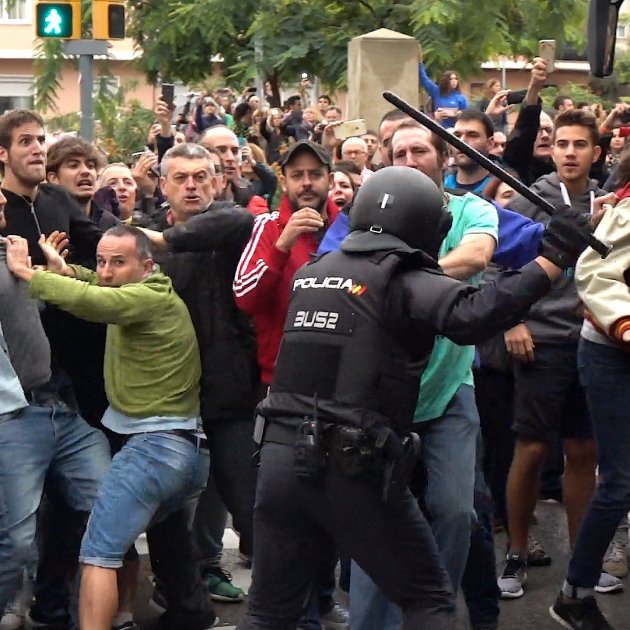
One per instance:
(175, 562)
(231, 463)
(298, 520)
(494, 394)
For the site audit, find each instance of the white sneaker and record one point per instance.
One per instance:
(13, 617)
(608, 584)
(513, 577)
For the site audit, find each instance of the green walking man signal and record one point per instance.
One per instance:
(61, 20)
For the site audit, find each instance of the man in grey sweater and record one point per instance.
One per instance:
(548, 394)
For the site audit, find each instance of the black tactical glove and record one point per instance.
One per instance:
(564, 238)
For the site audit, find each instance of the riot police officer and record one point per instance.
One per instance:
(336, 449)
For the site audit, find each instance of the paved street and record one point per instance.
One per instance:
(527, 613)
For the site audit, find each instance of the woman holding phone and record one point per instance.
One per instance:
(447, 99)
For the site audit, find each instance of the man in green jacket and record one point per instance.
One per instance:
(152, 370)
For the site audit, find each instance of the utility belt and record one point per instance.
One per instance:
(190, 436)
(380, 456)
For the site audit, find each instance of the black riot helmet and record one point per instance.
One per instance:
(401, 202)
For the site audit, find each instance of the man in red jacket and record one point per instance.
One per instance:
(281, 243)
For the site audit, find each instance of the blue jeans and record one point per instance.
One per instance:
(370, 609)
(42, 443)
(605, 374)
(449, 446)
(209, 525)
(153, 475)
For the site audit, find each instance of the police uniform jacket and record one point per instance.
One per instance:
(361, 327)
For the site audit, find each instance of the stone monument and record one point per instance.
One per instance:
(378, 61)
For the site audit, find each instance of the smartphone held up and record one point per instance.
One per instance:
(547, 51)
(350, 129)
(168, 93)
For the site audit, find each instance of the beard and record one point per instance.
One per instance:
(28, 176)
(296, 204)
(467, 165)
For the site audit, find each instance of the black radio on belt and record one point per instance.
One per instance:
(309, 454)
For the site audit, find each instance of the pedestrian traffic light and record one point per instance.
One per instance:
(58, 19)
(108, 19)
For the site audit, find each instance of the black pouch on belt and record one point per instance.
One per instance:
(401, 456)
(352, 451)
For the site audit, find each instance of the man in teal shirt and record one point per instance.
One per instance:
(152, 372)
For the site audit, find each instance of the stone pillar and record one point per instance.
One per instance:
(378, 61)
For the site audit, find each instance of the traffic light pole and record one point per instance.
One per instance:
(86, 50)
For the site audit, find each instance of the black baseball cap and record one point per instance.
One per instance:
(306, 145)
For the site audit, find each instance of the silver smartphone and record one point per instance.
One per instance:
(547, 50)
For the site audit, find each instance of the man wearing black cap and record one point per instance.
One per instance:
(280, 244)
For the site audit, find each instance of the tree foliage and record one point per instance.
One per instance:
(177, 38)
(122, 122)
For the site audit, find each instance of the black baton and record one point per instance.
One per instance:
(601, 248)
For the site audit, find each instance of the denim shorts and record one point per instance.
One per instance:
(153, 475)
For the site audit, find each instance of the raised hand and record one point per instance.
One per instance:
(55, 249)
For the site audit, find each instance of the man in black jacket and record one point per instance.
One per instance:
(203, 279)
(528, 150)
(34, 209)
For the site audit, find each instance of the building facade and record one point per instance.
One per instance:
(17, 52)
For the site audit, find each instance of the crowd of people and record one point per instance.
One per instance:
(158, 319)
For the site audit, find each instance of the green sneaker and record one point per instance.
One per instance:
(220, 587)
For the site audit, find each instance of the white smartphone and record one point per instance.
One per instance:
(350, 129)
(547, 50)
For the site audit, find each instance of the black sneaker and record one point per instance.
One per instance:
(35, 618)
(580, 614)
(513, 577)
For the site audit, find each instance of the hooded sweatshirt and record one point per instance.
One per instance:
(556, 318)
(152, 365)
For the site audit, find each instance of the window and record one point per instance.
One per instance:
(15, 11)
(622, 31)
(15, 92)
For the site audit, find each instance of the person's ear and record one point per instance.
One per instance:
(148, 267)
